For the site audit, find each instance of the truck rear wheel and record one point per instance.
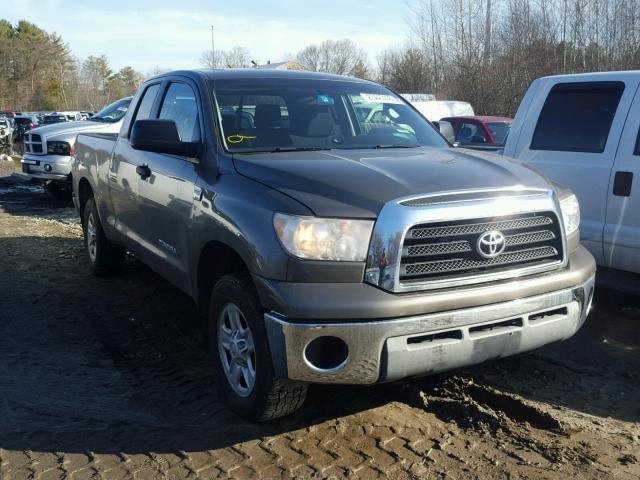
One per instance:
(238, 344)
(57, 190)
(105, 258)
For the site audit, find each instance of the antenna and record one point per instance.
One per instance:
(213, 49)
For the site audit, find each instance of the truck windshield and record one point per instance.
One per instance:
(276, 114)
(113, 112)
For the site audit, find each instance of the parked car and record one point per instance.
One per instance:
(10, 135)
(326, 249)
(9, 113)
(72, 116)
(6, 136)
(53, 118)
(481, 130)
(583, 131)
(48, 149)
(25, 123)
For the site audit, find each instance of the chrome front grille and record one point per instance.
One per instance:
(464, 229)
(437, 251)
(33, 143)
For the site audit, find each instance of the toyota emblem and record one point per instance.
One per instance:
(491, 244)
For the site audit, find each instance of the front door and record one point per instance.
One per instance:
(166, 194)
(622, 228)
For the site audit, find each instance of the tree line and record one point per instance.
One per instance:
(39, 72)
(486, 52)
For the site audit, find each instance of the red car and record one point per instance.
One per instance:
(479, 130)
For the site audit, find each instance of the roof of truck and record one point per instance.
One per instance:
(238, 73)
(618, 75)
(479, 118)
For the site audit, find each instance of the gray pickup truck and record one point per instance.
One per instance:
(324, 244)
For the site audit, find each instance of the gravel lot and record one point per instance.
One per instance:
(107, 378)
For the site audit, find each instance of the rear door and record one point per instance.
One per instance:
(166, 196)
(622, 229)
(571, 136)
(123, 178)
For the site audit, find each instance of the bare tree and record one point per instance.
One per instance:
(236, 57)
(342, 57)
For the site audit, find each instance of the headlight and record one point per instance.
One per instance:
(324, 238)
(570, 213)
(58, 148)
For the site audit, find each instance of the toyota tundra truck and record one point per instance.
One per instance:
(323, 245)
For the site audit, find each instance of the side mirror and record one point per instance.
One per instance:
(161, 136)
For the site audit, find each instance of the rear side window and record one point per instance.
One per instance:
(577, 117)
(181, 106)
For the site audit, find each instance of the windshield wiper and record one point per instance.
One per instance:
(297, 149)
(399, 145)
(281, 149)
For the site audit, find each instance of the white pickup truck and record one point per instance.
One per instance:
(583, 132)
(48, 149)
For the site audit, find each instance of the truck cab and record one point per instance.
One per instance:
(326, 244)
(583, 132)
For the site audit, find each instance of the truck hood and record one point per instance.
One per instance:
(357, 183)
(67, 128)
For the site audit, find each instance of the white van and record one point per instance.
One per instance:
(583, 132)
(434, 110)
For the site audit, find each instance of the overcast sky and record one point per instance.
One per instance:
(173, 34)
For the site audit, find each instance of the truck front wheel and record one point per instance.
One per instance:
(238, 344)
(105, 258)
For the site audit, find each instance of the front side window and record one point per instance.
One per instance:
(146, 102)
(266, 114)
(180, 105)
(577, 117)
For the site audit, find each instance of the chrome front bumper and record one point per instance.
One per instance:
(47, 167)
(386, 350)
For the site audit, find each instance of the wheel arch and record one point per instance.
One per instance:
(216, 259)
(85, 192)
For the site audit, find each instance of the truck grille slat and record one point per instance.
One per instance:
(458, 264)
(430, 249)
(528, 239)
(469, 229)
(33, 143)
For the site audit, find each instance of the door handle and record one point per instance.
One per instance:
(144, 171)
(622, 184)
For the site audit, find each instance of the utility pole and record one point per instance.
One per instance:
(213, 49)
(487, 33)
(564, 38)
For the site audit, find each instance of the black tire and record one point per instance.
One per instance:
(270, 397)
(106, 258)
(58, 191)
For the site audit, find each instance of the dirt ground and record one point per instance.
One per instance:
(108, 379)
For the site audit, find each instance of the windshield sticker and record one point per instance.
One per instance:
(380, 98)
(239, 138)
(325, 100)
